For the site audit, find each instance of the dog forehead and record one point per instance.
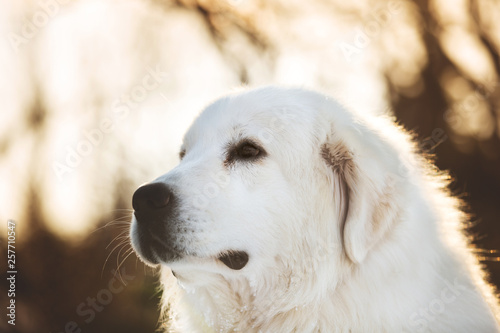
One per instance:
(252, 113)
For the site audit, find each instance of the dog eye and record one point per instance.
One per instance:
(245, 150)
(248, 151)
(181, 154)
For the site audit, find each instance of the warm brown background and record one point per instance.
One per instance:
(433, 64)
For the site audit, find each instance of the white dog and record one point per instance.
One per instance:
(289, 213)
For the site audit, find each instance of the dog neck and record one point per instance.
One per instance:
(228, 305)
(266, 303)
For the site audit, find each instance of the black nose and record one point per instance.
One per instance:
(152, 202)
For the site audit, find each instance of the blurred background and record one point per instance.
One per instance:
(96, 95)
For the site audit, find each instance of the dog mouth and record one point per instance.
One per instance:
(235, 260)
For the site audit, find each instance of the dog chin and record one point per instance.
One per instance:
(232, 260)
(152, 256)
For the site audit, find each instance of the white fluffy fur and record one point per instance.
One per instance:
(348, 229)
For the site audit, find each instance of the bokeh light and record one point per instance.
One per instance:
(96, 95)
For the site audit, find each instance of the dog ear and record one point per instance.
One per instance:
(364, 190)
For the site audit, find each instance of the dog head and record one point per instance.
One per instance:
(270, 178)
